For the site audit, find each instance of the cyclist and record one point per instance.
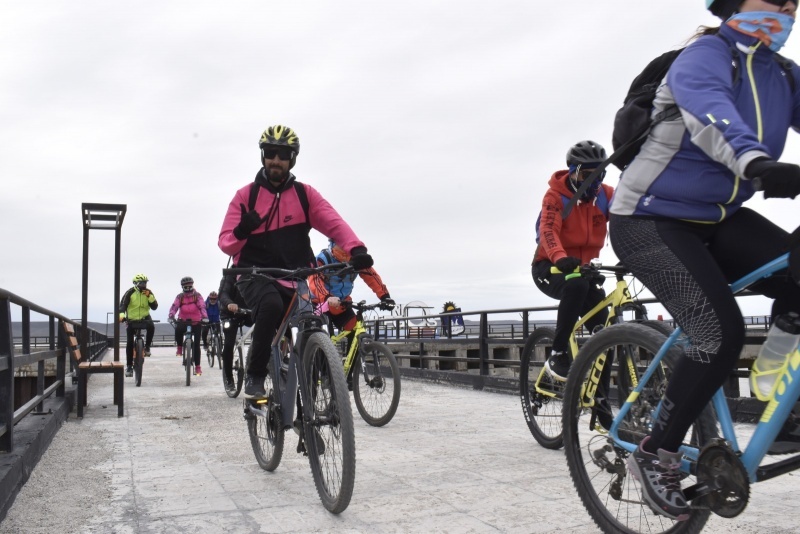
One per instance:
(231, 301)
(136, 304)
(273, 231)
(189, 306)
(568, 243)
(212, 309)
(678, 223)
(335, 290)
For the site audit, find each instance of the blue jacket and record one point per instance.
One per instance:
(692, 168)
(213, 311)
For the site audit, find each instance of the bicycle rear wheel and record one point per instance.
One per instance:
(596, 463)
(328, 423)
(188, 361)
(540, 395)
(376, 388)
(138, 360)
(237, 371)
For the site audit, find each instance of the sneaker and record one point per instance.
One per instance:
(228, 383)
(557, 365)
(197, 370)
(180, 352)
(129, 371)
(788, 439)
(254, 387)
(147, 352)
(660, 479)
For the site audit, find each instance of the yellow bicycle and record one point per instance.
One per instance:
(371, 370)
(541, 395)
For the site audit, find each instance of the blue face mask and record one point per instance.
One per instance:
(770, 28)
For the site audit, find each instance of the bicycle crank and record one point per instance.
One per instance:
(722, 482)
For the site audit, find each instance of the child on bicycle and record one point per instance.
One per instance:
(677, 220)
(212, 308)
(335, 290)
(189, 306)
(135, 305)
(567, 243)
(231, 302)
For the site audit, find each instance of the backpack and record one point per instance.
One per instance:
(601, 202)
(632, 122)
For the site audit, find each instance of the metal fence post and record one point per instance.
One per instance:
(6, 378)
(484, 344)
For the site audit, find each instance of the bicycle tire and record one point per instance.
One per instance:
(596, 464)
(238, 373)
(329, 423)
(266, 434)
(210, 353)
(216, 350)
(542, 411)
(377, 394)
(138, 360)
(188, 361)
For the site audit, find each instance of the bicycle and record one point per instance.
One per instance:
(215, 345)
(188, 348)
(242, 338)
(375, 380)
(718, 472)
(541, 395)
(308, 374)
(138, 346)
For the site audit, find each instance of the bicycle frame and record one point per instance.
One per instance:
(771, 422)
(360, 331)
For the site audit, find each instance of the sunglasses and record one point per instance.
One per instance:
(283, 153)
(584, 174)
(187, 287)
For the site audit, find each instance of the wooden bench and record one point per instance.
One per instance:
(85, 368)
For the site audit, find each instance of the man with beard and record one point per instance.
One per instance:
(267, 225)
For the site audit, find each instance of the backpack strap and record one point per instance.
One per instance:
(298, 187)
(251, 203)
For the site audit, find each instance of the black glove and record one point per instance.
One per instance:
(359, 259)
(387, 302)
(250, 221)
(568, 264)
(777, 180)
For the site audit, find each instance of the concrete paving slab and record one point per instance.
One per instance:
(452, 460)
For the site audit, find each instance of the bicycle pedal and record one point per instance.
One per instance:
(301, 447)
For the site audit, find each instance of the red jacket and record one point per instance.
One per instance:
(581, 234)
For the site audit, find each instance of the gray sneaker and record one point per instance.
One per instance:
(660, 478)
(254, 387)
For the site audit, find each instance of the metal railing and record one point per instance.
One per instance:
(13, 356)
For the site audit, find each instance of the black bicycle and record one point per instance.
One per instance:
(138, 346)
(242, 338)
(214, 349)
(188, 347)
(305, 370)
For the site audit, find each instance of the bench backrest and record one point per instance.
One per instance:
(72, 342)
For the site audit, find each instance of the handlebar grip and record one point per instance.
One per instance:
(556, 270)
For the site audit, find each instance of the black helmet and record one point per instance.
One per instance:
(586, 153)
(280, 136)
(723, 8)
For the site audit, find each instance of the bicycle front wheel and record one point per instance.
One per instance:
(328, 423)
(608, 366)
(138, 361)
(216, 350)
(188, 362)
(540, 395)
(376, 382)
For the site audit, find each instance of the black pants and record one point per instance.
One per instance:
(148, 340)
(577, 295)
(206, 329)
(180, 330)
(269, 302)
(229, 342)
(688, 267)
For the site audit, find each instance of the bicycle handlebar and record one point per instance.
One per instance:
(302, 273)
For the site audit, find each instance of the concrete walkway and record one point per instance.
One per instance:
(452, 460)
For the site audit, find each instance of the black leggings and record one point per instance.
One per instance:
(269, 302)
(577, 295)
(688, 267)
(180, 330)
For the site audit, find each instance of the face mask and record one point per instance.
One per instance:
(770, 28)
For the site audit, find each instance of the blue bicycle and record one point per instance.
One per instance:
(717, 472)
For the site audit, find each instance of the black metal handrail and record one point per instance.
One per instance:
(11, 359)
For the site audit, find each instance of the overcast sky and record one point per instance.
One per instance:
(431, 126)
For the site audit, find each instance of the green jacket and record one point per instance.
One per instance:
(136, 305)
